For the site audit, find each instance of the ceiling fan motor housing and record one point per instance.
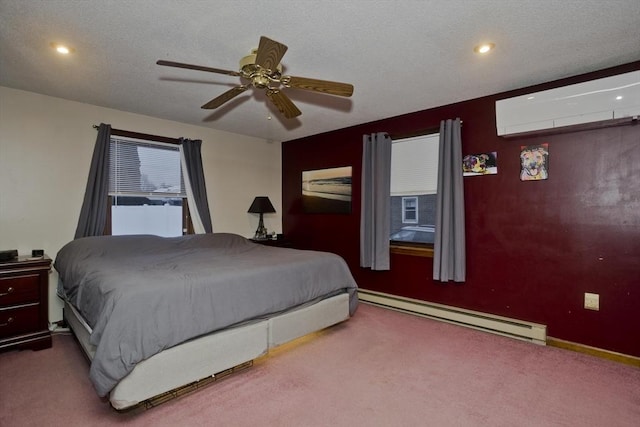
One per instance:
(260, 77)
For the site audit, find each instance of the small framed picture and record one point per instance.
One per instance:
(534, 162)
(480, 164)
(327, 190)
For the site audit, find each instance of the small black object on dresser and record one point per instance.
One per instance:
(24, 303)
(8, 255)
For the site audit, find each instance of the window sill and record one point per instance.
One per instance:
(421, 251)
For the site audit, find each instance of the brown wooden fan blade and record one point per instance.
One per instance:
(270, 53)
(284, 104)
(227, 96)
(196, 67)
(332, 88)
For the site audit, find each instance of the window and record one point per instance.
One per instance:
(414, 180)
(146, 189)
(409, 210)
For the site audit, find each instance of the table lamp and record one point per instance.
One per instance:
(261, 205)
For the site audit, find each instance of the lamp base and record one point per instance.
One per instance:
(261, 232)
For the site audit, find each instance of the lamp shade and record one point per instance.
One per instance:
(261, 204)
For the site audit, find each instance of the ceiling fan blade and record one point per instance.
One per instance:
(284, 104)
(270, 53)
(227, 96)
(196, 67)
(332, 88)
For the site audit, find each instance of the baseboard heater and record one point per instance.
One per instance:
(513, 328)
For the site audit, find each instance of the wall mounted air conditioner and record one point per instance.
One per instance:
(600, 102)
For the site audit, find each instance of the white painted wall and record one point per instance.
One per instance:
(46, 145)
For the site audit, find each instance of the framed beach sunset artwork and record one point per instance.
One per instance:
(327, 190)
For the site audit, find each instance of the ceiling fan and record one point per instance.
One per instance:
(263, 70)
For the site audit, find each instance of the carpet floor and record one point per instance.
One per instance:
(381, 368)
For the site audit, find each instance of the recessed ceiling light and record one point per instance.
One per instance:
(62, 49)
(618, 98)
(484, 48)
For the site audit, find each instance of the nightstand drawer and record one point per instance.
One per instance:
(19, 289)
(19, 320)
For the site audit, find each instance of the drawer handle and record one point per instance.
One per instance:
(9, 290)
(9, 321)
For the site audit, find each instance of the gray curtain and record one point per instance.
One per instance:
(375, 212)
(191, 150)
(93, 215)
(449, 246)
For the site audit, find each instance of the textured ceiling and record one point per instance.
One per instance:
(401, 56)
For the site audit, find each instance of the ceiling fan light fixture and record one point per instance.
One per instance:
(260, 81)
(484, 48)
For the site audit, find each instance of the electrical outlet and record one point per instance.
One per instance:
(592, 301)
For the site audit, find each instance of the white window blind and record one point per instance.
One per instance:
(414, 165)
(144, 169)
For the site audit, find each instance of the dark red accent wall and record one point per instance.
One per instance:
(533, 248)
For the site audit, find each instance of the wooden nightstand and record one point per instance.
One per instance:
(24, 303)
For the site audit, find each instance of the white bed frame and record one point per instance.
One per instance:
(205, 357)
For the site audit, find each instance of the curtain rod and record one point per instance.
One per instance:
(419, 132)
(138, 135)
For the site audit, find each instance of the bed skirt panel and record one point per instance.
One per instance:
(189, 362)
(295, 324)
(204, 356)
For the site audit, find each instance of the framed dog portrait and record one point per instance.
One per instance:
(534, 162)
(480, 164)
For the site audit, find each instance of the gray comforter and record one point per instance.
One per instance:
(143, 294)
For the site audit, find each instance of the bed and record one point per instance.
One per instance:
(157, 314)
